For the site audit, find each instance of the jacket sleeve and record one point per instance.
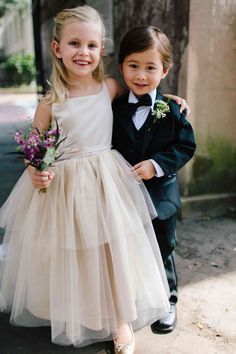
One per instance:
(182, 147)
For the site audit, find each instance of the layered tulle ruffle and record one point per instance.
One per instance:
(82, 257)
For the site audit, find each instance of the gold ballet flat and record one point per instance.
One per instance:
(125, 348)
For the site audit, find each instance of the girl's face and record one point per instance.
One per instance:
(79, 48)
(143, 71)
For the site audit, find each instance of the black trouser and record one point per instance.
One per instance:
(166, 236)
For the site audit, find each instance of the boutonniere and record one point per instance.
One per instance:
(159, 110)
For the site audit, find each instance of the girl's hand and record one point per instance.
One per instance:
(40, 179)
(144, 169)
(180, 101)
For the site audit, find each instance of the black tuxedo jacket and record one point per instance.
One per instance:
(169, 141)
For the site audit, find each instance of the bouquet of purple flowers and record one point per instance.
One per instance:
(39, 147)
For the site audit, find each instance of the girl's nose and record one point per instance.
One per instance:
(83, 50)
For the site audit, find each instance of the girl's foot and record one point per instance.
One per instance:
(124, 343)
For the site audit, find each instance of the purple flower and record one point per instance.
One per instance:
(34, 145)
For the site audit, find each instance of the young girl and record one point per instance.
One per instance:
(81, 257)
(156, 140)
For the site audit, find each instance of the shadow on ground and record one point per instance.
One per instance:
(21, 340)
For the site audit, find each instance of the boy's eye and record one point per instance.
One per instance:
(150, 68)
(133, 66)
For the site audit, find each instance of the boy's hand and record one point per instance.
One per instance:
(180, 101)
(144, 169)
(40, 179)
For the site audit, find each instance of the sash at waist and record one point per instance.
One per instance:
(82, 152)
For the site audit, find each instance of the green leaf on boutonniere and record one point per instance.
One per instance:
(160, 109)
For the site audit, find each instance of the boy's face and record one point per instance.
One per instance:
(143, 71)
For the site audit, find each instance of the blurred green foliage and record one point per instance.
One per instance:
(5, 5)
(19, 69)
(215, 172)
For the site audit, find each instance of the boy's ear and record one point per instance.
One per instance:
(56, 49)
(165, 73)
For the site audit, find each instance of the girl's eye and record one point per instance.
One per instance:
(74, 44)
(92, 45)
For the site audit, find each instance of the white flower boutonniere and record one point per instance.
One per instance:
(160, 110)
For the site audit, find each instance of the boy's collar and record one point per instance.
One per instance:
(133, 99)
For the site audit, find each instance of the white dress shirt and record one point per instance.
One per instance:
(139, 119)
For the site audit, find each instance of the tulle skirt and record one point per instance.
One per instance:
(82, 257)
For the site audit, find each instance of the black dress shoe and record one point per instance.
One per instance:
(167, 323)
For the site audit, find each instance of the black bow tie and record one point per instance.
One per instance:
(144, 100)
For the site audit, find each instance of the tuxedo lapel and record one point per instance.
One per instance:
(151, 127)
(126, 121)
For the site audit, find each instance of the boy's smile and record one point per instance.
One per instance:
(143, 71)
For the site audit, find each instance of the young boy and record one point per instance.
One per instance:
(155, 138)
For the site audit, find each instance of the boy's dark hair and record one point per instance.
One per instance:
(140, 38)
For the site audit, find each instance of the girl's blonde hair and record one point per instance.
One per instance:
(59, 80)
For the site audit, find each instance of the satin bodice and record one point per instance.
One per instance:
(86, 122)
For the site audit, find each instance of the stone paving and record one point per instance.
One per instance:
(206, 263)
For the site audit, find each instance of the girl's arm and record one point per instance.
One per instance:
(115, 88)
(42, 120)
(43, 116)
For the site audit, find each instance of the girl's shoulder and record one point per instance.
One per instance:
(114, 87)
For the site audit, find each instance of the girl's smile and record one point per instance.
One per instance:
(82, 62)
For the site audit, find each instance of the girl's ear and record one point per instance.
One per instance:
(103, 52)
(56, 49)
(121, 69)
(165, 73)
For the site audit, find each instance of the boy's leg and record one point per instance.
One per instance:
(172, 277)
(166, 236)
